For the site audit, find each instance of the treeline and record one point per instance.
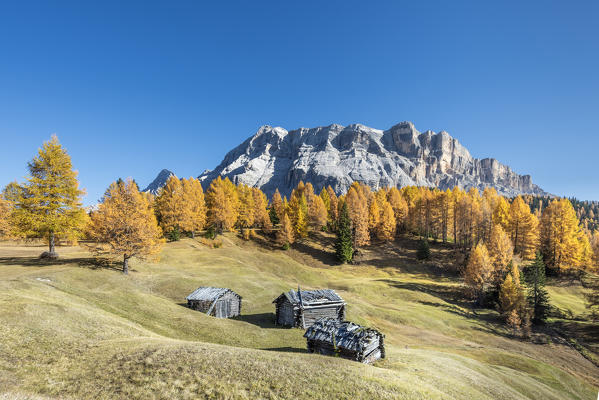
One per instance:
(491, 231)
(586, 211)
(48, 205)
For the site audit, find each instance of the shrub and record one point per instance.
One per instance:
(210, 233)
(424, 250)
(174, 235)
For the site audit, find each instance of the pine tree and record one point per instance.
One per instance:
(479, 271)
(538, 298)
(49, 203)
(424, 250)
(125, 224)
(387, 225)
(344, 248)
(285, 236)
(222, 204)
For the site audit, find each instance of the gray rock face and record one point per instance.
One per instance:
(158, 182)
(336, 155)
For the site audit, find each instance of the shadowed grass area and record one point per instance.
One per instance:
(79, 329)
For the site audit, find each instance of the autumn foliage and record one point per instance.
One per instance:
(125, 225)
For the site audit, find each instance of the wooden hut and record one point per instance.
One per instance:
(302, 308)
(217, 302)
(330, 336)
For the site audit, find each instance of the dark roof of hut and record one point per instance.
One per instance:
(207, 293)
(342, 334)
(312, 297)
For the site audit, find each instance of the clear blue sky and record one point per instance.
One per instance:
(131, 89)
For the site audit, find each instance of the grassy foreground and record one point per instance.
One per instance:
(73, 329)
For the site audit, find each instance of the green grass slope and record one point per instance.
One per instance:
(74, 330)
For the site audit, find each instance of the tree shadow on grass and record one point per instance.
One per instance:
(263, 320)
(287, 350)
(454, 302)
(85, 262)
(321, 255)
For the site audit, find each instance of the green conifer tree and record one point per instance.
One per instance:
(345, 251)
(538, 298)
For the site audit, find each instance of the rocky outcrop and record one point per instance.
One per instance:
(336, 155)
(158, 182)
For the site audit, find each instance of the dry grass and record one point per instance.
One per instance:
(79, 329)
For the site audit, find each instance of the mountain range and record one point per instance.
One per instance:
(337, 155)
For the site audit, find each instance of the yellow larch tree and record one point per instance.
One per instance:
(245, 209)
(125, 225)
(399, 206)
(561, 236)
(48, 205)
(194, 206)
(277, 208)
(387, 225)
(169, 204)
(222, 204)
(261, 217)
(357, 205)
(374, 215)
(297, 210)
(511, 296)
(317, 213)
(309, 192)
(523, 229)
(333, 207)
(500, 250)
(595, 247)
(479, 271)
(5, 211)
(501, 213)
(285, 235)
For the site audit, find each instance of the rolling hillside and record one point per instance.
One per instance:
(80, 329)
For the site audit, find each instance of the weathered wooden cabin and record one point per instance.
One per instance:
(217, 302)
(301, 308)
(330, 336)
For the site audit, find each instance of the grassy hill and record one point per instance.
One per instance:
(80, 329)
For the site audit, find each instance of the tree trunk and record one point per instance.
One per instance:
(125, 264)
(193, 234)
(51, 245)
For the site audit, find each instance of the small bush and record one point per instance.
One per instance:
(217, 244)
(210, 233)
(174, 235)
(424, 250)
(285, 246)
(246, 234)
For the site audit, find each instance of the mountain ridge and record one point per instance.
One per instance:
(336, 155)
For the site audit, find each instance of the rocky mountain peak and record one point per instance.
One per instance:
(158, 182)
(337, 155)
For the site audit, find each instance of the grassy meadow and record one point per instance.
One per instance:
(77, 328)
